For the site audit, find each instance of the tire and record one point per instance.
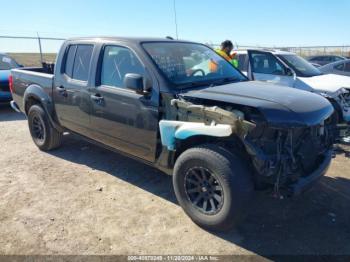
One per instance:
(44, 135)
(228, 172)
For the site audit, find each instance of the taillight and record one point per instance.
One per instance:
(11, 83)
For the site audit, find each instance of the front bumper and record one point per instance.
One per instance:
(305, 183)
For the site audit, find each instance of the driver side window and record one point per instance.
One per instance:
(266, 63)
(116, 64)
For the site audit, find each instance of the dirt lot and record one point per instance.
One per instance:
(82, 199)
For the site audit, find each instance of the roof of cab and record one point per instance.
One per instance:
(126, 39)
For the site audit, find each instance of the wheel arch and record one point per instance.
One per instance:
(35, 94)
(232, 144)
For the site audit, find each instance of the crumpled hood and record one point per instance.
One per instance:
(4, 76)
(281, 106)
(326, 83)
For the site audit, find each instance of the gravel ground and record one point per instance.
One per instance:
(81, 199)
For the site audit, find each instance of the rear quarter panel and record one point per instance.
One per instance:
(28, 83)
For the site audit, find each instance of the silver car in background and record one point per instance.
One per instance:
(325, 59)
(338, 68)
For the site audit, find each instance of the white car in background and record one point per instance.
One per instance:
(288, 69)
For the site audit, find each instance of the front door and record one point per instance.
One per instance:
(264, 66)
(120, 117)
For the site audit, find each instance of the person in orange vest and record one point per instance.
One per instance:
(225, 52)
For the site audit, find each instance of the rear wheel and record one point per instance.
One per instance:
(212, 186)
(44, 135)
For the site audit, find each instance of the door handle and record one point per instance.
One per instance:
(97, 98)
(62, 91)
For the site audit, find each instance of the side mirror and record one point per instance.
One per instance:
(136, 82)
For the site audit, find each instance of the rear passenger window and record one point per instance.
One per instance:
(82, 62)
(117, 62)
(70, 61)
(78, 62)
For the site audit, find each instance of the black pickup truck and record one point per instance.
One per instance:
(180, 107)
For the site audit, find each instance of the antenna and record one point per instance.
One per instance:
(175, 15)
(41, 51)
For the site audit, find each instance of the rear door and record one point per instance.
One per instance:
(120, 117)
(71, 95)
(264, 66)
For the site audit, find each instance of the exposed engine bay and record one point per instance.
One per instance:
(341, 100)
(281, 157)
(278, 156)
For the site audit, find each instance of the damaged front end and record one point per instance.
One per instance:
(199, 120)
(283, 158)
(280, 158)
(341, 103)
(344, 102)
(343, 99)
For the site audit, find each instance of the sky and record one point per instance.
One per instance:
(251, 22)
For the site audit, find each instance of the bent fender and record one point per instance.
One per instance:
(172, 130)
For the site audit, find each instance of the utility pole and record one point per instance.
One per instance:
(175, 16)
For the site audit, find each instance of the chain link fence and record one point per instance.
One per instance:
(304, 51)
(26, 49)
(319, 50)
(30, 50)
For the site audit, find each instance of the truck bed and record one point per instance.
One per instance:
(36, 77)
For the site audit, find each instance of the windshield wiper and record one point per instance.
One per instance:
(211, 83)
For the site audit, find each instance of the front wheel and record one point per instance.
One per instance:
(44, 135)
(212, 186)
